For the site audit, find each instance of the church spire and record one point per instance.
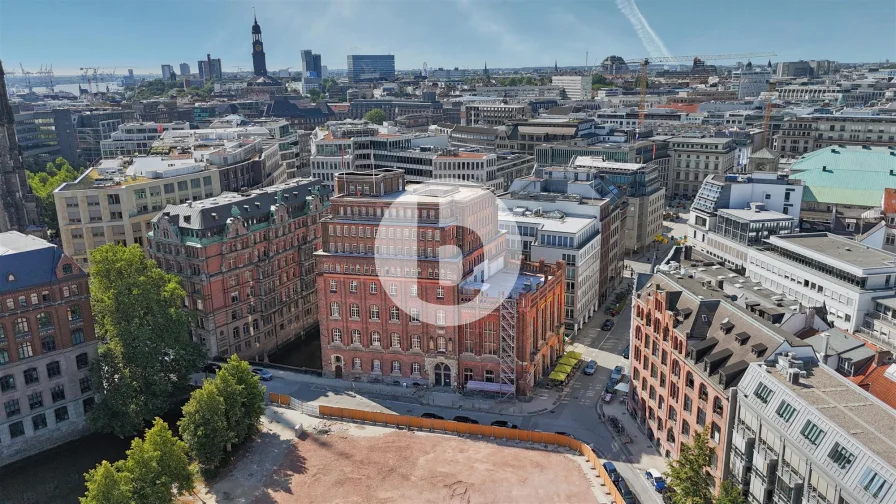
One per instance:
(486, 69)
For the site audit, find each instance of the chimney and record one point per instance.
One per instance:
(825, 341)
(882, 356)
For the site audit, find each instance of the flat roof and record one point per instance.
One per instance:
(839, 249)
(754, 216)
(855, 411)
(567, 224)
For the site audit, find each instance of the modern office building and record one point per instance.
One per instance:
(228, 248)
(576, 87)
(804, 434)
(133, 139)
(185, 70)
(520, 92)
(167, 72)
(751, 81)
(369, 67)
(493, 114)
(504, 342)
(808, 133)
(793, 69)
(94, 126)
(653, 151)
(311, 65)
(690, 346)
(693, 159)
(47, 343)
(210, 68)
(394, 108)
(47, 134)
(18, 206)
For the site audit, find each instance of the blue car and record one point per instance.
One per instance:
(656, 479)
(612, 472)
(262, 374)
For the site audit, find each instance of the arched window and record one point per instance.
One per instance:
(375, 338)
(396, 340)
(337, 335)
(374, 312)
(685, 429)
(236, 333)
(636, 375)
(245, 329)
(74, 313)
(440, 317)
(394, 314)
(21, 326)
(676, 368)
(415, 342)
(703, 394)
(334, 309)
(356, 337)
(44, 321)
(689, 380)
(718, 408)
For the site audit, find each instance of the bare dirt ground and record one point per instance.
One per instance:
(401, 466)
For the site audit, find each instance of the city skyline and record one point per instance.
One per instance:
(503, 33)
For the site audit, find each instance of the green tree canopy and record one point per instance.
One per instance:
(251, 395)
(314, 94)
(155, 471)
(688, 474)
(44, 183)
(729, 493)
(203, 426)
(106, 485)
(146, 356)
(376, 116)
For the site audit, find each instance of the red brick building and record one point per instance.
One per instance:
(408, 280)
(47, 342)
(247, 264)
(690, 346)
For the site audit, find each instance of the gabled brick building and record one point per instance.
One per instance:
(402, 307)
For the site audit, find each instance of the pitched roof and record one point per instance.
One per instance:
(853, 175)
(878, 384)
(765, 153)
(26, 261)
(889, 205)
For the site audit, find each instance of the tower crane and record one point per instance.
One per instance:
(90, 77)
(645, 62)
(27, 76)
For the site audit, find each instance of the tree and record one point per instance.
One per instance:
(44, 183)
(251, 395)
(376, 116)
(688, 476)
(146, 358)
(314, 94)
(155, 471)
(729, 493)
(226, 387)
(203, 427)
(158, 466)
(106, 485)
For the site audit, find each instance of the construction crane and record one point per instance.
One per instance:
(46, 71)
(27, 76)
(90, 74)
(766, 121)
(645, 62)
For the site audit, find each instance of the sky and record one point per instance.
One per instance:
(143, 35)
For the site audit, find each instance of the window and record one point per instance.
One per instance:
(337, 335)
(77, 336)
(373, 287)
(21, 325)
(82, 361)
(415, 315)
(394, 314)
(66, 269)
(12, 408)
(356, 363)
(393, 289)
(35, 400)
(440, 292)
(31, 376)
(840, 456)
(88, 404)
(396, 366)
(44, 321)
(377, 367)
(763, 393)
(16, 429)
(84, 383)
(353, 286)
(441, 345)
(374, 312)
(413, 291)
(58, 393)
(701, 417)
(874, 483)
(785, 411)
(7, 383)
(489, 376)
(440, 317)
(53, 370)
(354, 311)
(375, 338)
(356, 337)
(334, 309)
(25, 350)
(332, 285)
(39, 421)
(415, 368)
(716, 432)
(396, 340)
(74, 313)
(415, 342)
(61, 414)
(4, 357)
(812, 432)
(687, 403)
(47, 344)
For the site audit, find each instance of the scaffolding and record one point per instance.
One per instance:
(507, 354)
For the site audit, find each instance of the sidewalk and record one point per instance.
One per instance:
(639, 451)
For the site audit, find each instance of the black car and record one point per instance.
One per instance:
(432, 416)
(465, 419)
(626, 351)
(211, 368)
(505, 424)
(565, 434)
(608, 324)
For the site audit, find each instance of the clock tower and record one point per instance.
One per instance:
(258, 63)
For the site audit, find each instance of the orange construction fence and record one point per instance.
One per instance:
(453, 427)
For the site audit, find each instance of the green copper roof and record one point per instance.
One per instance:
(847, 175)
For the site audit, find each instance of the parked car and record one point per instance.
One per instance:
(211, 368)
(628, 497)
(656, 479)
(565, 434)
(263, 374)
(432, 416)
(610, 388)
(626, 351)
(505, 424)
(617, 373)
(608, 324)
(465, 419)
(612, 472)
(590, 368)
